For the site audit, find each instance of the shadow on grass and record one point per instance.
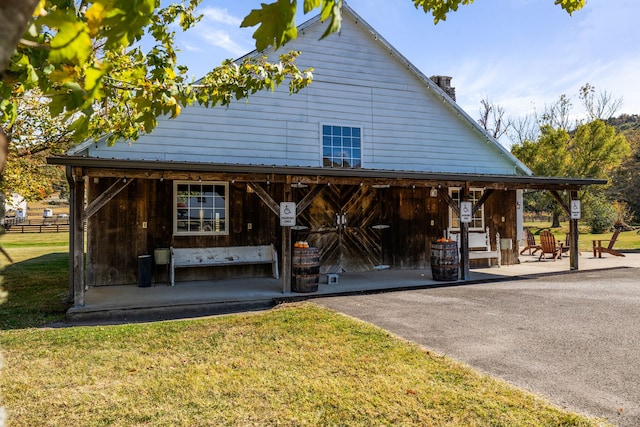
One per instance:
(36, 291)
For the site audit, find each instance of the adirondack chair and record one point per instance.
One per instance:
(549, 246)
(598, 249)
(567, 244)
(531, 243)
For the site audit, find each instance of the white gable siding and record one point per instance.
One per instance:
(405, 124)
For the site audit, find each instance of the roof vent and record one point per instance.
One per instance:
(444, 82)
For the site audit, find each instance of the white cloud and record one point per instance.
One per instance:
(222, 39)
(221, 16)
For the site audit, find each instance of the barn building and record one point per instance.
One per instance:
(374, 158)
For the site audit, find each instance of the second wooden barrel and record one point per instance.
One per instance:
(444, 261)
(305, 264)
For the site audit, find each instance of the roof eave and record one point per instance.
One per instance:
(519, 181)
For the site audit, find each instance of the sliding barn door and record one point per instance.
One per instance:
(356, 245)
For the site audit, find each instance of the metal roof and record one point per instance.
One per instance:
(322, 174)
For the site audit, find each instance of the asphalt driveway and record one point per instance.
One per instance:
(571, 338)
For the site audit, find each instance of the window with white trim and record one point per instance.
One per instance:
(477, 221)
(341, 146)
(200, 208)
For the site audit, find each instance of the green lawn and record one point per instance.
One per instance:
(627, 240)
(37, 282)
(294, 365)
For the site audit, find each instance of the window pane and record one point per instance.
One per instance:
(197, 207)
(341, 146)
(477, 221)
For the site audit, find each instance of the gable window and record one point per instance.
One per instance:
(477, 221)
(200, 208)
(341, 146)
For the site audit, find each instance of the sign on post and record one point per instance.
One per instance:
(575, 209)
(288, 214)
(465, 212)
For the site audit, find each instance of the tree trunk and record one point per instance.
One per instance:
(14, 16)
(555, 221)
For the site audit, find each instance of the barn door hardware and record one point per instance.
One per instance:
(340, 220)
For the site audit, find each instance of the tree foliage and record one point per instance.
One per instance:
(87, 60)
(35, 135)
(625, 186)
(592, 150)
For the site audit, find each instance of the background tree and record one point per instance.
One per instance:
(625, 180)
(35, 135)
(593, 150)
(599, 106)
(492, 119)
(547, 156)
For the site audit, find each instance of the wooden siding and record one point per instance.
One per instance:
(358, 82)
(116, 236)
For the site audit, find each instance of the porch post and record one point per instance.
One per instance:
(464, 237)
(286, 243)
(573, 227)
(573, 234)
(78, 240)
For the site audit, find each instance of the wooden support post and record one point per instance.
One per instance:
(573, 234)
(573, 227)
(78, 241)
(286, 243)
(464, 237)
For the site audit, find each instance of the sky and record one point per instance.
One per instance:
(519, 54)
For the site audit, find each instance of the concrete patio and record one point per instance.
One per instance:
(117, 304)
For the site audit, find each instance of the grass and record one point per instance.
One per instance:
(294, 365)
(37, 282)
(627, 240)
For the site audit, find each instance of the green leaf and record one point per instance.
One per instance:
(570, 5)
(121, 21)
(93, 80)
(276, 23)
(72, 43)
(309, 5)
(333, 10)
(439, 8)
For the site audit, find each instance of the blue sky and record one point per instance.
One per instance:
(519, 54)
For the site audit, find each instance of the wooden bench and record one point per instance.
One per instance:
(230, 255)
(480, 246)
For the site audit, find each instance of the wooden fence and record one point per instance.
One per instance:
(37, 228)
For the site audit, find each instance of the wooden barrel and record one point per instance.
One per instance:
(305, 264)
(444, 261)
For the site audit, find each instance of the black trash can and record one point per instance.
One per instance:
(144, 271)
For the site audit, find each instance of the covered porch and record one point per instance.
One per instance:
(200, 298)
(132, 201)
